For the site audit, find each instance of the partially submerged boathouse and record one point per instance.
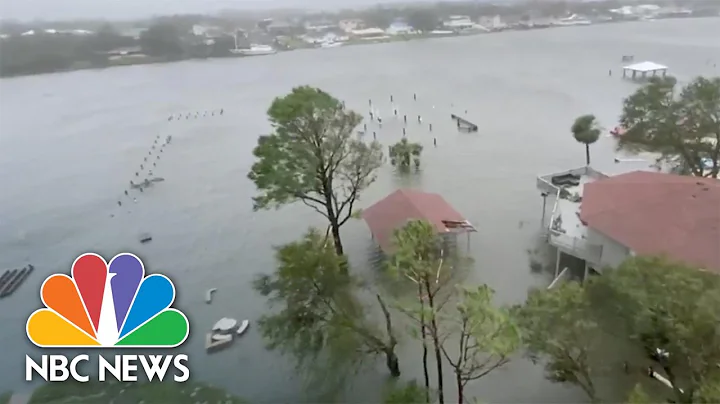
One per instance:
(604, 220)
(404, 205)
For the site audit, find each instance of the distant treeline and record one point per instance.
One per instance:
(44, 52)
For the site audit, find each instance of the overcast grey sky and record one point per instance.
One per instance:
(129, 9)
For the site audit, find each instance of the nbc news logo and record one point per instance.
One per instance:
(107, 306)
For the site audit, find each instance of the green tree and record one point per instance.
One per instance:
(403, 153)
(670, 310)
(424, 20)
(161, 39)
(682, 126)
(313, 157)
(586, 130)
(407, 393)
(318, 311)
(482, 335)
(558, 328)
(709, 392)
(106, 38)
(419, 257)
(638, 396)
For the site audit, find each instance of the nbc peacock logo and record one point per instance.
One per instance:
(107, 305)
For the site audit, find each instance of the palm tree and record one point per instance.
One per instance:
(403, 153)
(586, 130)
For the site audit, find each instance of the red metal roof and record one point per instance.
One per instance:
(403, 205)
(658, 214)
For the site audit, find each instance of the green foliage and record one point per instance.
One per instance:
(668, 306)
(315, 295)
(313, 157)
(638, 396)
(150, 393)
(424, 20)
(407, 393)
(485, 336)
(558, 328)
(319, 320)
(586, 130)
(683, 126)
(161, 39)
(418, 249)
(5, 397)
(709, 392)
(43, 52)
(403, 153)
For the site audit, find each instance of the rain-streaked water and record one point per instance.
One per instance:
(71, 142)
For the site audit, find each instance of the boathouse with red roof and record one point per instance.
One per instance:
(404, 205)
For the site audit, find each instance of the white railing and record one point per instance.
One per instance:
(577, 247)
(572, 245)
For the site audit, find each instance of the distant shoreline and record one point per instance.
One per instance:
(355, 42)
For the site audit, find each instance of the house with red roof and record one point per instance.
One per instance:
(398, 208)
(604, 220)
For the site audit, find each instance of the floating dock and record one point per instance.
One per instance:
(11, 279)
(463, 123)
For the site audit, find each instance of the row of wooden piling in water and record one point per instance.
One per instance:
(11, 280)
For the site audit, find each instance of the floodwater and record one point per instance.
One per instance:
(71, 142)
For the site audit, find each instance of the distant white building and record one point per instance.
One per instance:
(369, 33)
(207, 31)
(459, 22)
(351, 25)
(400, 28)
(494, 22)
(641, 10)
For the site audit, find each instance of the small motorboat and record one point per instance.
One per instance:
(243, 327)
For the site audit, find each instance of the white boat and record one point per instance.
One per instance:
(330, 44)
(255, 50)
(243, 327)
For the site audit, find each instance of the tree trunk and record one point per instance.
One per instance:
(436, 341)
(587, 154)
(423, 333)
(335, 228)
(391, 359)
(392, 362)
(332, 216)
(460, 387)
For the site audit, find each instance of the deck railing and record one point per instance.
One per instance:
(572, 245)
(577, 247)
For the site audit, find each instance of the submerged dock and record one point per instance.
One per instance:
(11, 280)
(463, 123)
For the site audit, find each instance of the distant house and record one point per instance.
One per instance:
(208, 32)
(399, 28)
(459, 22)
(320, 25)
(351, 25)
(369, 33)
